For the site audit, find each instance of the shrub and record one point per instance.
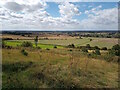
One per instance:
(71, 46)
(115, 50)
(90, 39)
(88, 46)
(9, 47)
(26, 44)
(7, 39)
(3, 44)
(70, 50)
(97, 52)
(116, 47)
(104, 48)
(55, 46)
(23, 35)
(46, 38)
(24, 52)
(47, 49)
(85, 50)
(81, 47)
(96, 47)
(38, 47)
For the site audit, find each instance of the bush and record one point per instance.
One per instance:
(47, 49)
(115, 50)
(27, 44)
(116, 47)
(55, 46)
(97, 52)
(88, 46)
(9, 47)
(104, 48)
(90, 39)
(85, 50)
(71, 46)
(70, 50)
(38, 47)
(96, 47)
(3, 44)
(24, 52)
(7, 39)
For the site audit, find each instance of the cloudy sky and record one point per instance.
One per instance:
(39, 15)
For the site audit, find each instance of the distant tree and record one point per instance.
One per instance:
(70, 50)
(90, 39)
(85, 50)
(88, 46)
(7, 39)
(23, 35)
(46, 38)
(71, 46)
(55, 46)
(104, 48)
(96, 47)
(28, 35)
(36, 41)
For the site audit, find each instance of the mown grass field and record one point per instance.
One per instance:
(100, 42)
(58, 68)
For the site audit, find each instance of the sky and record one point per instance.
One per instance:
(44, 16)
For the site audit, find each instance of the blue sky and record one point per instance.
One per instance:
(38, 15)
(53, 9)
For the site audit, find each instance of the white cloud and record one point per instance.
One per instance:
(14, 6)
(32, 14)
(68, 10)
(102, 19)
(93, 10)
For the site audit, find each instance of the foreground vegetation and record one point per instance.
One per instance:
(62, 68)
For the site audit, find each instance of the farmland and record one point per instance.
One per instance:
(53, 63)
(101, 42)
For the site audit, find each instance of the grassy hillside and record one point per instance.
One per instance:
(56, 68)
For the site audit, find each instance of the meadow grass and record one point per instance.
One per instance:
(58, 68)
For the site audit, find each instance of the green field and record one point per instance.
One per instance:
(56, 68)
(100, 42)
(43, 46)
